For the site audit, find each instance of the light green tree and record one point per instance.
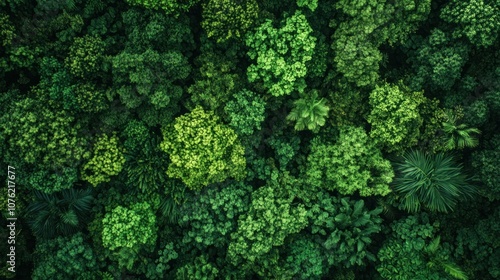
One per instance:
(395, 118)
(281, 54)
(202, 151)
(107, 160)
(352, 164)
(128, 231)
(270, 219)
(38, 132)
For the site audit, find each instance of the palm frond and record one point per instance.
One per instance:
(454, 270)
(59, 213)
(434, 245)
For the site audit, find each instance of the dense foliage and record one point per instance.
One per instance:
(250, 139)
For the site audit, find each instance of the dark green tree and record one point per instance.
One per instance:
(226, 19)
(343, 228)
(458, 135)
(476, 20)
(413, 251)
(65, 258)
(173, 7)
(485, 163)
(246, 112)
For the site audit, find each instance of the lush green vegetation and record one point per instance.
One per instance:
(251, 139)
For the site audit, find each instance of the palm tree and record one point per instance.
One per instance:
(458, 135)
(434, 181)
(309, 113)
(61, 213)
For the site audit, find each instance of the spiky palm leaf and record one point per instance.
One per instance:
(434, 181)
(458, 135)
(435, 259)
(145, 167)
(60, 213)
(169, 210)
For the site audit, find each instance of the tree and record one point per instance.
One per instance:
(343, 228)
(478, 247)
(281, 54)
(148, 76)
(437, 60)
(365, 26)
(202, 151)
(85, 56)
(107, 160)
(65, 258)
(226, 19)
(380, 21)
(305, 260)
(7, 30)
(344, 169)
(217, 81)
(61, 213)
(200, 268)
(413, 251)
(434, 181)
(394, 116)
(130, 227)
(477, 20)
(173, 7)
(485, 163)
(49, 181)
(311, 4)
(308, 112)
(38, 132)
(356, 57)
(246, 111)
(145, 166)
(270, 219)
(210, 217)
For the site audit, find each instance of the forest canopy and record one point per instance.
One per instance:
(258, 139)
